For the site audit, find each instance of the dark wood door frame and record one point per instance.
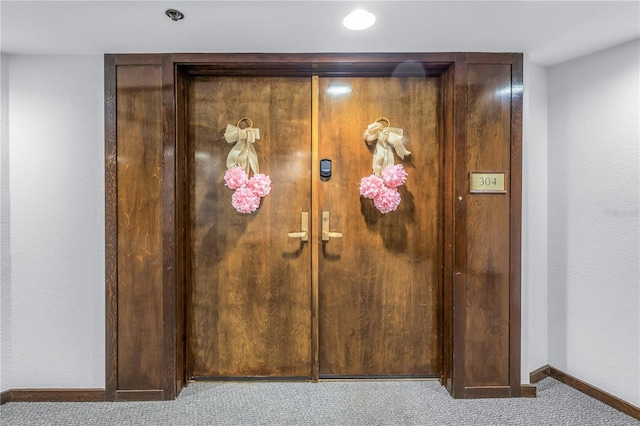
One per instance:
(484, 90)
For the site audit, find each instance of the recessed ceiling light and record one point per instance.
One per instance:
(359, 20)
(174, 14)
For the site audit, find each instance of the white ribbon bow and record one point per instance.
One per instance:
(387, 140)
(243, 154)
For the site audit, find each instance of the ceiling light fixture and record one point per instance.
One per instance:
(174, 14)
(359, 20)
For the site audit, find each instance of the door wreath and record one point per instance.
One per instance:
(382, 185)
(242, 159)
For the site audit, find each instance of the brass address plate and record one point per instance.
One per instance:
(492, 183)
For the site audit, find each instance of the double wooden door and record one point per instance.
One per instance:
(263, 304)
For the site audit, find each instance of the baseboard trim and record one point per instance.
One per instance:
(475, 392)
(541, 373)
(140, 395)
(527, 391)
(53, 395)
(5, 397)
(587, 389)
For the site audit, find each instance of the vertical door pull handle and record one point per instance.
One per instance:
(304, 228)
(326, 234)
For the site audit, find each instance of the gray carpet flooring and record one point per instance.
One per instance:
(326, 403)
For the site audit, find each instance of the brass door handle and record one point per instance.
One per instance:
(326, 234)
(302, 235)
(304, 228)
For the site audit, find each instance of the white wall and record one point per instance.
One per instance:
(594, 237)
(5, 253)
(56, 186)
(534, 220)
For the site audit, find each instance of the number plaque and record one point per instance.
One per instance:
(492, 183)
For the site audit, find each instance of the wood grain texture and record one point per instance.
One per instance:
(459, 277)
(182, 234)
(111, 228)
(249, 307)
(515, 225)
(140, 395)
(141, 343)
(541, 373)
(448, 209)
(528, 391)
(379, 285)
(473, 392)
(169, 286)
(321, 64)
(464, 353)
(315, 239)
(487, 295)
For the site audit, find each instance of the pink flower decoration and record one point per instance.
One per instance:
(387, 200)
(394, 176)
(260, 184)
(244, 200)
(370, 186)
(235, 178)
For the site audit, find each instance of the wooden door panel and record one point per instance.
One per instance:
(379, 285)
(139, 228)
(379, 305)
(487, 252)
(249, 311)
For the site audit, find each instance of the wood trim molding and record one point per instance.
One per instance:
(314, 243)
(111, 229)
(515, 254)
(459, 259)
(53, 395)
(586, 388)
(78, 395)
(453, 67)
(169, 341)
(447, 209)
(140, 395)
(528, 391)
(541, 373)
(170, 230)
(474, 392)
